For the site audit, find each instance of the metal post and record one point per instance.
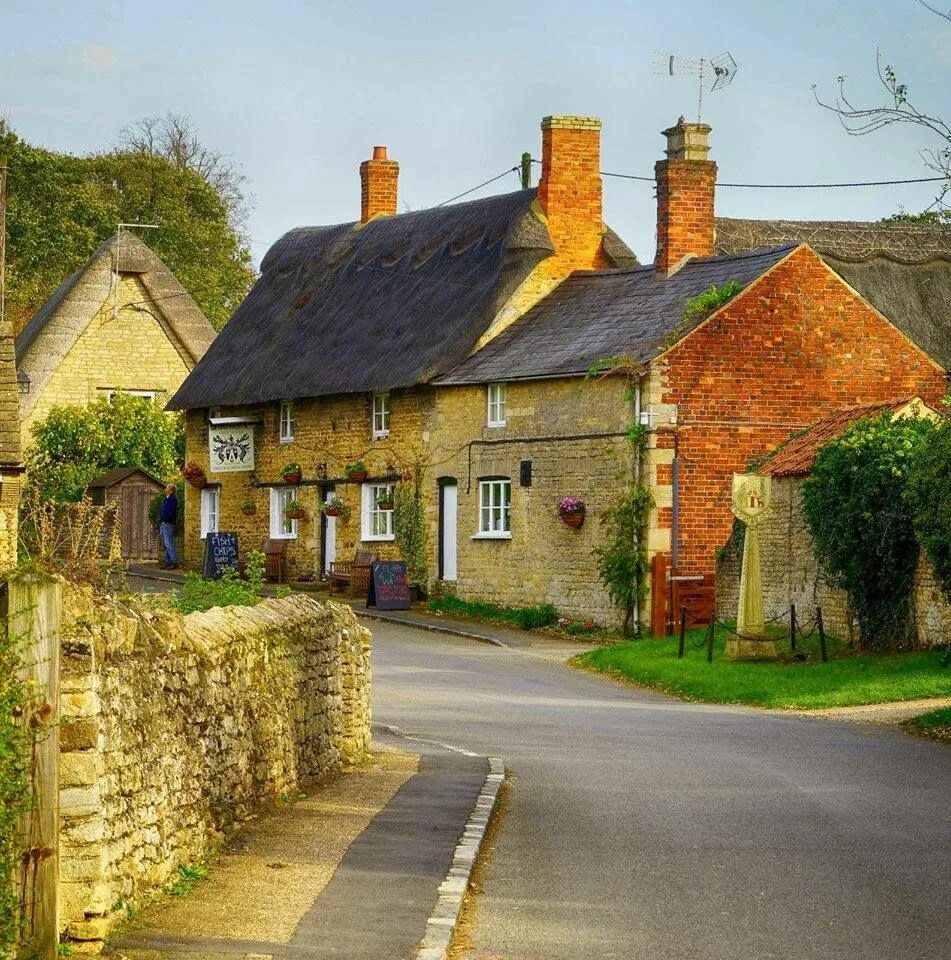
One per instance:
(822, 635)
(710, 643)
(792, 626)
(526, 170)
(683, 630)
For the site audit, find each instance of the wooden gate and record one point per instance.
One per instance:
(671, 591)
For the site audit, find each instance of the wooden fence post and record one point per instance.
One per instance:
(34, 603)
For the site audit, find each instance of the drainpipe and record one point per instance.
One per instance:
(637, 482)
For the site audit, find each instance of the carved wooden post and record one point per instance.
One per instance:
(33, 617)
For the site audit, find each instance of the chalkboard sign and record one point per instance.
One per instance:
(389, 586)
(221, 552)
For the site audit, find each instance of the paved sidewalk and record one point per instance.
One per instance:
(377, 902)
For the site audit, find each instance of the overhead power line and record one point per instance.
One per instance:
(466, 193)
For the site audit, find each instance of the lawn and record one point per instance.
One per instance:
(935, 725)
(846, 679)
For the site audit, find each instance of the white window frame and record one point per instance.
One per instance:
(375, 524)
(286, 422)
(381, 415)
(495, 509)
(495, 404)
(145, 394)
(210, 510)
(281, 527)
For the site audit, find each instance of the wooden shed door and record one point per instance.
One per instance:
(138, 540)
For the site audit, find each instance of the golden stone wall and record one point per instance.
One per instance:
(132, 351)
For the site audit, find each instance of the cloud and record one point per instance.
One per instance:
(97, 57)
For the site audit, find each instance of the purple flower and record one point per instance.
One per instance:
(571, 505)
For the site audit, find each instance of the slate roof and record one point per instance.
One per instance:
(795, 458)
(58, 324)
(902, 269)
(376, 306)
(595, 314)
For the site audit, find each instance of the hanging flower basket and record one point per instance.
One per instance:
(295, 511)
(333, 512)
(384, 504)
(356, 472)
(572, 511)
(335, 507)
(292, 474)
(194, 475)
(249, 508)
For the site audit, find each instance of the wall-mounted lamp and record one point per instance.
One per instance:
(23, 382)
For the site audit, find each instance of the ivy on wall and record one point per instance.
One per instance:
(409, 528)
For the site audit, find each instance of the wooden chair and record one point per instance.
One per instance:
(275, 557)
(352, 575)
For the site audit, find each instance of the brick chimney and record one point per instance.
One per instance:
(378, 185)
(685, 186)
(569, 191)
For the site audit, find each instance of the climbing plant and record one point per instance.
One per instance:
(928, 494)
(622, 558)
(862, 523)
(409, 528)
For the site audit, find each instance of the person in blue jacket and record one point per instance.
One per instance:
(167, 517)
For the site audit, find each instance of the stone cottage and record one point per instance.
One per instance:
(790, 573)
(458, 339)
(120, 323)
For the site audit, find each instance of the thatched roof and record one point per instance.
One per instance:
(902, 269)
(58, 324)
(602, 313)
(376, 306)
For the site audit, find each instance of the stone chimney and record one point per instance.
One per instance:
(685, 186)
(569, 191)
(378, 185)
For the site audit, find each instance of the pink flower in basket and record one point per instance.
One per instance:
(571, 505)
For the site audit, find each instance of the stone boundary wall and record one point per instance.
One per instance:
(791, 575)
(177, 730)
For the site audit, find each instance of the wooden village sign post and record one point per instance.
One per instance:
(751, 498)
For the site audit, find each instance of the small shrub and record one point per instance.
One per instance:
(701, 306)
(409, 529)
(229, 590)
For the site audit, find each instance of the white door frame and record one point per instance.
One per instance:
(330, 534)
(448, 529)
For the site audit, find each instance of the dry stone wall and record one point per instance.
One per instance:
(176, 730)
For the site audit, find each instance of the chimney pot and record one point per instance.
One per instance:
(378, 185)
(379, 153)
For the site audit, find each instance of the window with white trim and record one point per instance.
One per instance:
(282, 528)
(381, 415)
(287, 421)
(495, 503)
(210, 503)
(376, 524)
(496, 401)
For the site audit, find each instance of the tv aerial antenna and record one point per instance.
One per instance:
(716, 73)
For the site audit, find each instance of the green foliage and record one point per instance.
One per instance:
(229, 590)
(155, 506)
(290, 468)
(358, 466)
(701, 306)
(926, 217)
(188, 878)
(848, 678)
(335, 503)
(409, 529)
(935, 725)
(62, 207)
(14, 786)
(525, 618)
(73, 445)
(928, 494)
(862, 525)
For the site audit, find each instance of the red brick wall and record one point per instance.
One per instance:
(685, 190)
(569, 192)
(378, 184)
(798, 345)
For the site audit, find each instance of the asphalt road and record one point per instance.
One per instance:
(643, 827)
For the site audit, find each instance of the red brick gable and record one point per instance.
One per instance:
(793, 346)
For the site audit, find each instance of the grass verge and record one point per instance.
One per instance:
(847, 679)
(935, 725)
(525, 618)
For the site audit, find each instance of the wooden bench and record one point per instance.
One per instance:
(275, 559)
(352, 575)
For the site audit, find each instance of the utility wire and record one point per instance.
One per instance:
(480, 186)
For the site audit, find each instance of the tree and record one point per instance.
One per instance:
(74, 445)
(899, 109)
(61, 208)
(174, 138)
(861, 523)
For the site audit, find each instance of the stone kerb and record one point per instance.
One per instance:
(176, 730)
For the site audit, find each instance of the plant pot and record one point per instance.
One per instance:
(199, 483)
(573, 520)
(249, 511)
(292, 478)
(333, 512)
(357, 476)
(295, 514)
(385, 505)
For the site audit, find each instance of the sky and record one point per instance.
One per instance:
(298, 92)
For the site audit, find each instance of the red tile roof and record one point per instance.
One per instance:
(796, 457)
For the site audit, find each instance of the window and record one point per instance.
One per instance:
(210, 499)
(145, 394)
(287, 421)
(495, 500)
(496, 416)
(376, 524)
(281, 527)
(381, 415)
